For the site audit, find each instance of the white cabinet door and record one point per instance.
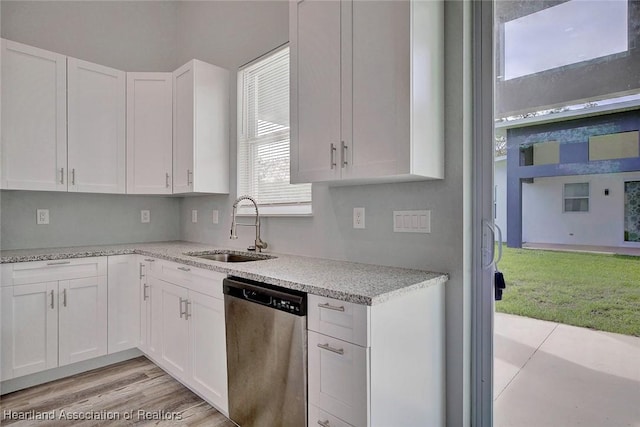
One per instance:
(208, 348)
(82, 319)
(149, 133)
(200, 128)
(381, 89)
(29, 329)
(183, 127)
(338, 378)
(316, 90)
(34, 118)
(175, 330)
(154, 317)
(124, 303)
(96, 125)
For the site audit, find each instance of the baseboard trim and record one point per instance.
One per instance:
(15, 384)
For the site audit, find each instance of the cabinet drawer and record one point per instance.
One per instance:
(201, 280)
(318, 417)
(59, 269)
(340, 319)
(338, 378)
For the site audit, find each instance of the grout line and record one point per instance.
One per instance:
(526, 362)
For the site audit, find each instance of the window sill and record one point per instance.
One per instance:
(276, 211)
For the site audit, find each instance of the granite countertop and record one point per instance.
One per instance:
(349, 281)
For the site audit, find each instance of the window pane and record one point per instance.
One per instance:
(576, 190)
(576, 205)
(263, 134)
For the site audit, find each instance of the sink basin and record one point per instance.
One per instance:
(229, 257)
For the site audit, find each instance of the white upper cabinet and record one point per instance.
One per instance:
(367, 91)
(96, 128)
(200, 129)
(34, 119)
(149, 133)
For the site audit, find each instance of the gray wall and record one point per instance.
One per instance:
(77, 219)
(230, 34)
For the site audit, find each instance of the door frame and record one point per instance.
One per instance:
(482, 305)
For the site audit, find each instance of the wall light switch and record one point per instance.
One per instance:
(214, 217)
(412, 221)
(358, 218)
(194, 216)
(145, 216)
(42, 216)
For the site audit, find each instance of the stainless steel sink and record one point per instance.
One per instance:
(229, 257)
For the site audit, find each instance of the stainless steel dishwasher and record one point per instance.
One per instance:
(266, 354)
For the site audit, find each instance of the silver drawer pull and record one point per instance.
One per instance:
(150, 260)
(182, 313)
(334, 350)
(331, 307)
(184, 269)
(141, 273)
(61, 175)
(59, 263)
(64, 297)
(51, 299)
(145, 296)
(324, 423)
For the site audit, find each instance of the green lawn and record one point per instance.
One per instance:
(590, 290)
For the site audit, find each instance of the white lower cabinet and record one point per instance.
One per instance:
(183, 327)
(123, 303)
(82, 319)
(338, 377)
(53, 313)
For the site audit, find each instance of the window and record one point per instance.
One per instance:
(576, 197)
(263, 138)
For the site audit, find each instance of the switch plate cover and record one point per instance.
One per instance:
(194, 216)
(145, 216)
(214, 216)
(42, 216)
(412, 221)
(358, 218)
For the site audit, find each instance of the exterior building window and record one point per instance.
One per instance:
(263, 138)
(576, 197)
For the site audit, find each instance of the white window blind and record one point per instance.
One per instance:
(263, 137)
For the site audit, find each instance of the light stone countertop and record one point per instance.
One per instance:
(348, 281)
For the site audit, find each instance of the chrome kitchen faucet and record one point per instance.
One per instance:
(259, 244)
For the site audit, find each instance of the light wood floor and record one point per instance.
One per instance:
(126, 387)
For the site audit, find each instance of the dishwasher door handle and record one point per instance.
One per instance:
(250, 298)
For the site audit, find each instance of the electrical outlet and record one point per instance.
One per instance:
(42, 216)
(145, 216)
(214, 217)
(194, 216)
(358, 217)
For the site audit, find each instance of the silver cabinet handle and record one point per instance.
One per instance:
(344, 153)
(189, 177)
(333, 155)
(145, 296)
(334, 350)
(59, 263)
(64, 297)
(187, 312)
(141, 274)
(150, 260)
(52, 299)
(331, 307)
(182, 301)
(184, 269)
(73, 177)
(61, 175)
(324, 423)
(167, 179)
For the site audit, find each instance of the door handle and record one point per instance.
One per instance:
(189, 177)
(61, 175)
(324, 423)
(141, 274)
(182, 313)
(59, 263)
(344, 153)
(64, 297)
(184, 269)
(145, 296)
(73, 176)
(333, 155)
(167, 179)
(187, 313)
(331, 307)
(52, 306)
(339, 351)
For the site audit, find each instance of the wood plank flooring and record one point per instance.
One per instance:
(113, 395)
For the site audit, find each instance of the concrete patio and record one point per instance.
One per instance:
(550, 374)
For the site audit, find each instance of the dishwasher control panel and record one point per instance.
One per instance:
(288, 300)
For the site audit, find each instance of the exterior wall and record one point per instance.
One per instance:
(543, 219)
(500, 195)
